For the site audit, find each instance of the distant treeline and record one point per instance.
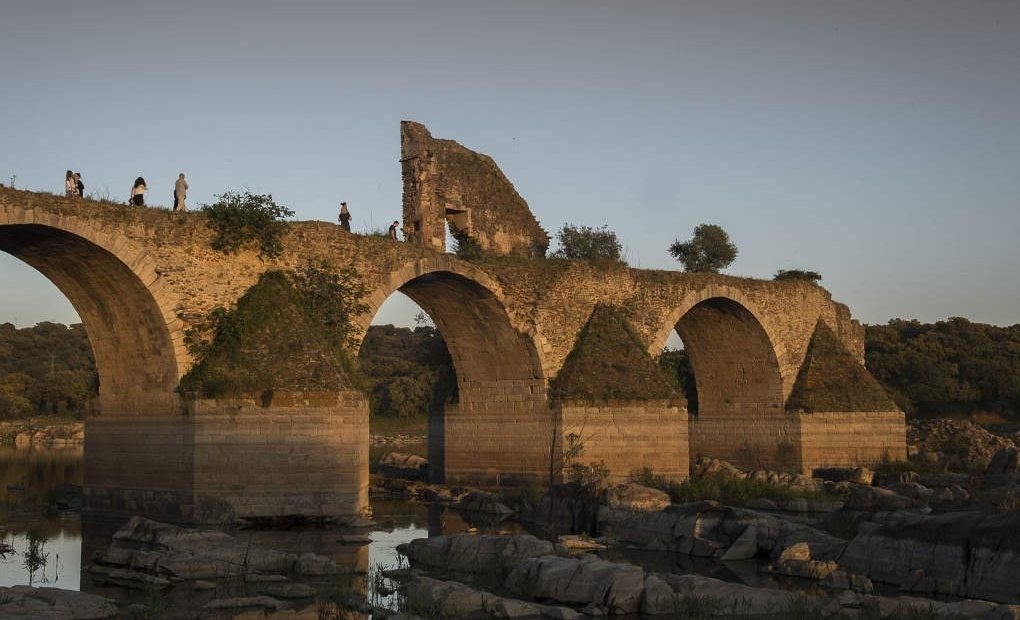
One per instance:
(949, 367)
(49, 369)
(46, 369)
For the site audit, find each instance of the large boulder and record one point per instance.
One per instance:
(633, 496)
(873, 499)
(708, 529)
(169, 551)
(450, 599)
(968, 554)
(33, 603)
(482, 554)
(579, 581)
(857, 475)
(682, 596)
(400, 465)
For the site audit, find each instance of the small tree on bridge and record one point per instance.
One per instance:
(587, 243)
(239, 219)
(708, 250)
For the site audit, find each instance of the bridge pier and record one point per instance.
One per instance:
(296, 453)
(508, 433)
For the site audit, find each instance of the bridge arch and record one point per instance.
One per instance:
(735, 356)
(468, 307)
(113, 285)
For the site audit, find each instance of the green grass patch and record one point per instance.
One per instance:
(722, 488)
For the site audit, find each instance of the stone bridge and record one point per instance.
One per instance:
(778, 365)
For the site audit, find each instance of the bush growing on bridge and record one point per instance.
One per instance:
(797, 274)
(708, 251)
(588, 244)
(241, 219)
(291, 330)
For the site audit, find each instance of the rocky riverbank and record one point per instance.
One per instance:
(41, 433)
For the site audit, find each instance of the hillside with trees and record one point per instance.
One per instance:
(45, 370)
(951, 367)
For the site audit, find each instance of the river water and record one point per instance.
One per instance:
(42, 546)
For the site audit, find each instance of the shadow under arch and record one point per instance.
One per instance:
(732, 357)
(501, 385)
(468, 310)
(138, 361)
(740, 388)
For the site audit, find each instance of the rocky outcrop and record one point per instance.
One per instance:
(579, 581)
(31, 603)
(145, 550)
(968, 554)
(710, 530)
(400, 465)
(485, 554)
(956, 445)
(451, 599)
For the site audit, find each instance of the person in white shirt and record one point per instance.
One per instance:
(138, 192)
(180, 193)
(70, 185)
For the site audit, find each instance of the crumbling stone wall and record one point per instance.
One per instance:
(445, 183)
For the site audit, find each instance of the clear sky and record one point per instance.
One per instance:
(875, 142)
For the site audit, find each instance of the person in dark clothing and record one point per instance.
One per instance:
(79, 184)
(345, 217)
(393, 229)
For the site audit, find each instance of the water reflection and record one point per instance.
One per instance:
(38, 545)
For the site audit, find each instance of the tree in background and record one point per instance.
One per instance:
(46, 369)
(409, 371)
(588, 244)
(709, 250)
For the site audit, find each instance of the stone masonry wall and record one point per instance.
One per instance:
(749, 441)
(303, 454)
(628, 437)
(859, 438)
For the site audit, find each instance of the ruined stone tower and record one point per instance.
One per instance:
(445, 183)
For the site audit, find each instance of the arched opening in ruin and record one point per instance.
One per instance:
(676, 362)
(132, 344)
(495, 367)
(732, 360)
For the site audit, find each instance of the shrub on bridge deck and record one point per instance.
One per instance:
(588, 244)
(291, 330)
(797, 274)
(242, 219)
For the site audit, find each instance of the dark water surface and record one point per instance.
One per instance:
(44, 546)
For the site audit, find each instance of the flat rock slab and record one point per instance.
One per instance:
(52, 603)
(176, 553)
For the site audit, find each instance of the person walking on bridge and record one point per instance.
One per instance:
(180, 193)
(70, 185)
(138, 192)
(345, 217)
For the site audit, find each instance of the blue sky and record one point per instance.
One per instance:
(875, 142)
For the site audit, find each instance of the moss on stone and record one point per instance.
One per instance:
(830, 379)
(269, 341)
(608, 363)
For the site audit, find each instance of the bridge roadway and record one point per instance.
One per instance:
(140, 277)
